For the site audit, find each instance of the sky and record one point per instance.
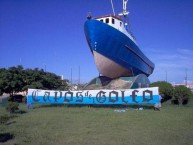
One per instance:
(49, 34)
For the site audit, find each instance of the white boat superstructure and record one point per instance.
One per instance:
(116, 21)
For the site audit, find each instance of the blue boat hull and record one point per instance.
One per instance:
(117, 47)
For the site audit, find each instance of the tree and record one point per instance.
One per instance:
(39, 79)
(32, 79)
(52, 81)
(16, 79)
(182, 93)
(3, 80)
(13, 80)
(165, 89)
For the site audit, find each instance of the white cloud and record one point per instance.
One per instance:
(172, 61)
(185, 51)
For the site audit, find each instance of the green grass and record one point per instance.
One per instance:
(173, 125)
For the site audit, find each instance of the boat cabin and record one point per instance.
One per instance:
(113, 21)
(117, 23)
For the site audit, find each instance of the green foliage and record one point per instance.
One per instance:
(11, 80)
(182, 93)
(24, 100)
(17, 79)
(9, 99)
(12, 107)
(3, 80)
(165, 89)
(4, 119)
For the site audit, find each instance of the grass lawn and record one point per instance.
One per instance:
(62, 125)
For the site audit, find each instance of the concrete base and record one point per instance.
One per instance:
(134, 82)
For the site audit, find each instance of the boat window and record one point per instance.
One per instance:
(107, 20)
(120, 23)
(101, 20)
(113, 21)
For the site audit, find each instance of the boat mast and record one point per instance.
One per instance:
(125, 14)
(125, 7)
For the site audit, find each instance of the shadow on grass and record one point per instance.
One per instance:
(124, 106)
(20, 112)
(47, 106)
(6, 136)
(95, 106)
(9, 123)
(5, 118)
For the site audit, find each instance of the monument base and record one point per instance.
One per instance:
(133, 82)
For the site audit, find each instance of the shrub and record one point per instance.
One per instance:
(24, 100)
(165, 90)
(4, 119)
(10, 99)
(12, 107)
(182, 94)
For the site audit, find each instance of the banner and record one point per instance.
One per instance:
(103, 97)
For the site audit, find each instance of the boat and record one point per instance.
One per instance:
(115, 50)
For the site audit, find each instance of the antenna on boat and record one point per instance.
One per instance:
(125, 14)
(112, 7)
(125, 7)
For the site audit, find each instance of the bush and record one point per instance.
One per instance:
(165, 90)
(10, 99)
(4, 119)
(12, 107)
(182, 94)
(24, 100)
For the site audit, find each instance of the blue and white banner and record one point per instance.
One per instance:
(109, 97)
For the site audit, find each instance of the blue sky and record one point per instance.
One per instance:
(39, 33)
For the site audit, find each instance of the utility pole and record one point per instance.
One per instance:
(71, 76)
(166, 76)
(44, 67)
(78, 75)
(78, 83)
(186, 77)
